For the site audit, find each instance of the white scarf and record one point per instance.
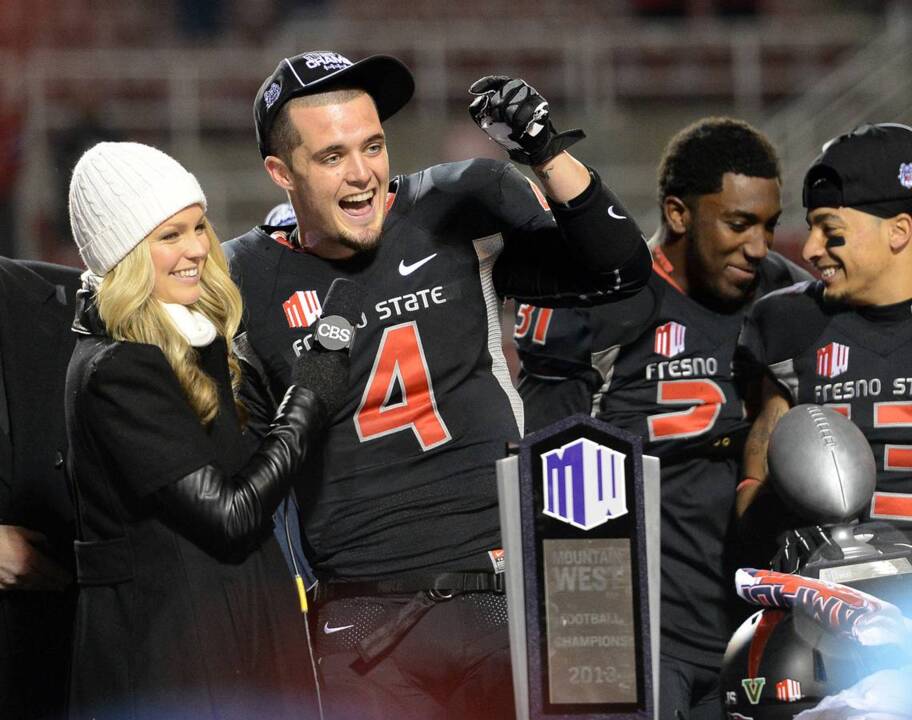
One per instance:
(193, 325)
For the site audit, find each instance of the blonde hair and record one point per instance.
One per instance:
(131, 313)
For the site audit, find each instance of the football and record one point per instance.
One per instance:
(821, 464)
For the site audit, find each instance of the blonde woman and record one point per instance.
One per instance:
(186, 609)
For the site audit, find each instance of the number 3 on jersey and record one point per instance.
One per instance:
(897, 458)
(524, 314)
(705, 398)
(400, 364)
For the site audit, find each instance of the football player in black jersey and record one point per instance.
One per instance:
(658, 364)
(845, 340)
(399, 510)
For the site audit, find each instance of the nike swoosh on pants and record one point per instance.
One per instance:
(330, 630)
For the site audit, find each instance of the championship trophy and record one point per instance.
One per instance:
(836, 634)
(582, 572)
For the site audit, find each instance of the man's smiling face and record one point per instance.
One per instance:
(339, 176)
(851, 253)
(730, 234)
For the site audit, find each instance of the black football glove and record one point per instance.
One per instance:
(799, 546)
(518, 119)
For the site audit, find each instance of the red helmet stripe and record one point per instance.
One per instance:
(769, 619)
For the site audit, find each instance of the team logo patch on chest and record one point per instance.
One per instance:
(832, 360)
(669, 339)
(302, 308)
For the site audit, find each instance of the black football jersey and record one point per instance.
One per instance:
(855, 360)
(659, 364)
(405, 480)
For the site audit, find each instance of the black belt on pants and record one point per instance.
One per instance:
(440, 586)
(426, 589)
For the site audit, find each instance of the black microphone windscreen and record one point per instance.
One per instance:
(344, 298)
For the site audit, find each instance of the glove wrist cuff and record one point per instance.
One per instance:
(556, 145)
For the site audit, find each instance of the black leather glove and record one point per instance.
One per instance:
(228, 516)
(518, 119)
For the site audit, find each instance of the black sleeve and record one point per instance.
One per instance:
(560, 342)
(750, 353)
(588, 221)
(55, 274)
(623, 322)
(595, 254)
(556, 347)
(780, 326)
(230, 515)
(553, 343)
(777, 272)
(546, 401)
(556, 378)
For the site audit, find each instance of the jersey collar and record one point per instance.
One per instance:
(662, 266)
(886, 313)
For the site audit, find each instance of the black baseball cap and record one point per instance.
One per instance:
(387, 80)
(868, 169)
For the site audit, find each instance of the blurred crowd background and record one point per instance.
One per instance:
(181, 74)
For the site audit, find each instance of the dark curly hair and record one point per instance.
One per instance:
(697, 157)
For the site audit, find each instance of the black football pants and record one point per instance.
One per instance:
(454, 663)
(688, 691)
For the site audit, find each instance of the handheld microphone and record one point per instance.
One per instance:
(323, 367)
(335, 330)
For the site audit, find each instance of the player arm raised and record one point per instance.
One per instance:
(607, 246)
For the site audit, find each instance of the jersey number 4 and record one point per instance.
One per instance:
(705, 399)
(400, 365)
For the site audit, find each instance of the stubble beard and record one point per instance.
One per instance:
(359, 242)
(835, 295)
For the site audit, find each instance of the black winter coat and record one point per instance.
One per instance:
(164, 629)
(36, 311)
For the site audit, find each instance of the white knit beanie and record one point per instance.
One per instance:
(119, 193)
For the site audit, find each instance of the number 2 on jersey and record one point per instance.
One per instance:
(705, 398)
(400, 364)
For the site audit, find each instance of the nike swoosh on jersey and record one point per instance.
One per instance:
(409, 269)
(330, 630)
